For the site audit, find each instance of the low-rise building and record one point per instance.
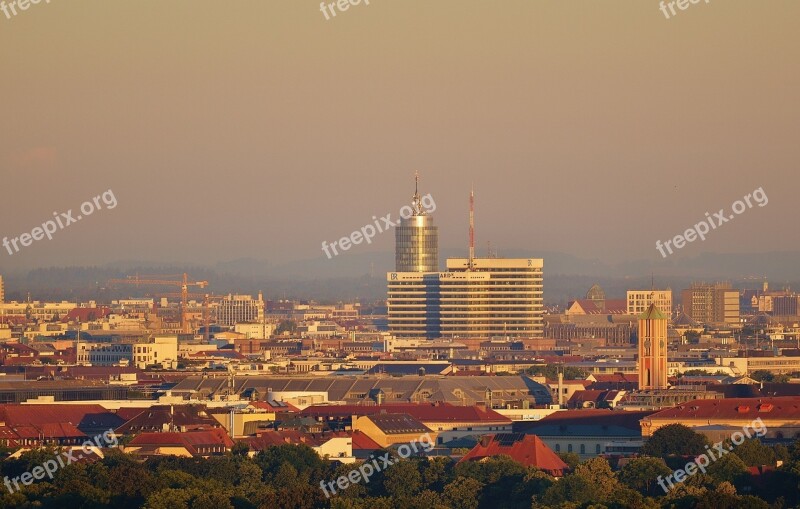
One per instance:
(588, 433)
(448, 421)
(780, 416)
(390, 429)
(189, 444)
(527, 450)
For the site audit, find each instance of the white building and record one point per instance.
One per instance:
(255, 330)
(162, 350)
(640, 300)
(235, 309)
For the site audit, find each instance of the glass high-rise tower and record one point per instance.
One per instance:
(416, 239)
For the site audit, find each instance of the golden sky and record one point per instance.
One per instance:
(259, 129)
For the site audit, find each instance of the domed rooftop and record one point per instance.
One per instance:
(596, 293)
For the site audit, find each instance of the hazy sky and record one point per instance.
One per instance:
(259, 129)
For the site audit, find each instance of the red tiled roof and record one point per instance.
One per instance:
(31, 432)
(41, 414)
(595, 416)
(426, 412)
(785, 407)
(20, 349)
(14, 436)
(128, 413)
(528, 450)
(61, 430)
(190, 440)
(86, 314)
(363, 442)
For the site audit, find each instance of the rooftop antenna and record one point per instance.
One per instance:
(416, 203)
(471, 263)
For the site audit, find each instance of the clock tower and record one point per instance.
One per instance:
(652, 349)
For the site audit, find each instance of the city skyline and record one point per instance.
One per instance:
(370, 253)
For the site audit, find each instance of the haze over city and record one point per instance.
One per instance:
(590, 129)
(368, 254)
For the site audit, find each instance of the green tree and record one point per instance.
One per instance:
(764, 375)
(302, 457)
(289, 326)
(571, 489)
(754, 453)
(169, 498)
(675, 439)
(729, 468)
(725, 497)
(572, 459)
(436, 472)
(641, 474)
(551, 371)
(597, 472)
(402, 480)
(240, 448)
(463, 493)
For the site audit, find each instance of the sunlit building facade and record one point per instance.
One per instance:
(496, 297)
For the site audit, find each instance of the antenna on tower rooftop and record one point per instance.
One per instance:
(416, 203)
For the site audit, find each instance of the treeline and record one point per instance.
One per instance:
(289, 477)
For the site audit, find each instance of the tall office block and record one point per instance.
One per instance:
(413, 304)
(716, 304)
(497, 297)
(652, 349)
